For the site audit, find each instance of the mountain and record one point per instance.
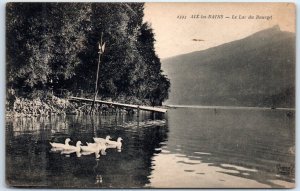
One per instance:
(257, 71)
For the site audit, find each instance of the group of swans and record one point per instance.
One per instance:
(100, 145)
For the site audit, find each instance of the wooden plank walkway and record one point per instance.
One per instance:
(141, 107)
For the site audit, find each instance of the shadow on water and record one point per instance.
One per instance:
(29, 161)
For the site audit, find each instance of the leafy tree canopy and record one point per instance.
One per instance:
(56, 45)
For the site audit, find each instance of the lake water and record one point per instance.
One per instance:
(204, 148)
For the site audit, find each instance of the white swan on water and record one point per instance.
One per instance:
(72, 149)
(115, 144)
(101, 140)
(101, 146)
(68, 152)
(97, 155)
(61, 145)
(93, 147)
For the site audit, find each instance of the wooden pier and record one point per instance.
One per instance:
(122, 105)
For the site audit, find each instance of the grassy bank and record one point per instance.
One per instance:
(39, 106)
(45, 104)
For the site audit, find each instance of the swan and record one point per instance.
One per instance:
(55, 150)
(61, 145)
(97, 155)
(74, 148)
(93, 147)
(115, 144)
(101, 140)
(68, 152)
(91, 144)
(101, 146)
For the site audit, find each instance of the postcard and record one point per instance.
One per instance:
(150, 95)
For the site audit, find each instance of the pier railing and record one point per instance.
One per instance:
(121, 105)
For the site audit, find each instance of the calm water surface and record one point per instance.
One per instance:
(191, 148)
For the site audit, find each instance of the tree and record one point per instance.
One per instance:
(43, 41)
(58, 42)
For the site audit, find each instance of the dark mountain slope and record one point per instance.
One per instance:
(258, 70)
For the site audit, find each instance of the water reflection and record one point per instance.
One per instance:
(56, 168)
(99, 179)
(203, 148)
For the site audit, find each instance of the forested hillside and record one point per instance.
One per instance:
(55, 45)
(258, 70)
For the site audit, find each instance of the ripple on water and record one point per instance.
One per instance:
(180, 155)
(196, 157)
(189, 170)
(238, 167)
(202, 153)
(165, 151)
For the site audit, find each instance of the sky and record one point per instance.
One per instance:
(175, 36)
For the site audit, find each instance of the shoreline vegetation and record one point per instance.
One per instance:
(49, 104)
(25, 107)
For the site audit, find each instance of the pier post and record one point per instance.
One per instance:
(101, 50)
(138, 111)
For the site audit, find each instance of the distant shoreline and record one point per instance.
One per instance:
(227, 107)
